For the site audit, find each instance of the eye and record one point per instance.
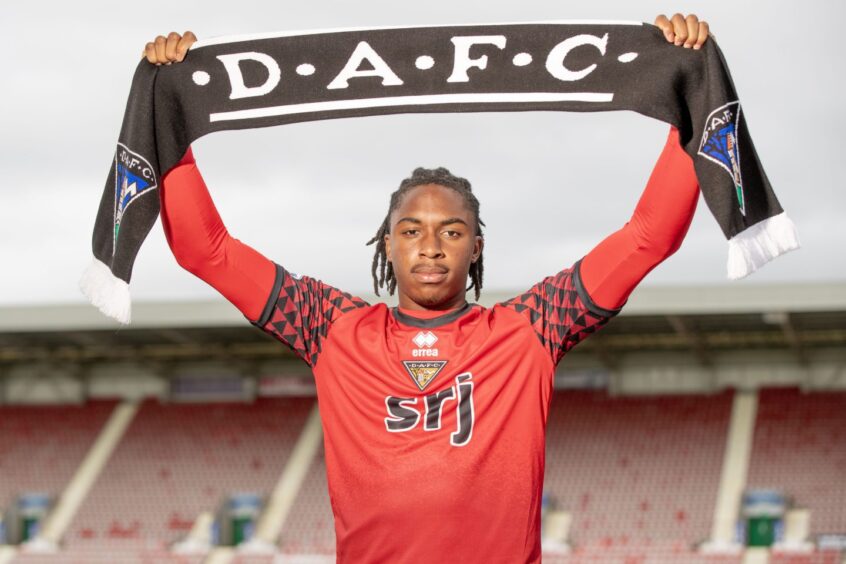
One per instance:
(410, 232)
(452, 234)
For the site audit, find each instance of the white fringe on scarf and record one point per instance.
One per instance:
(106, 291)
(755, 246)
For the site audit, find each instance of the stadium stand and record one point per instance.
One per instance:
(176, 461)
(800, 449)
(636, 472)
(42, 446)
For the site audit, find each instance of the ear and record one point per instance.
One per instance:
(477, 248)
(388, 247)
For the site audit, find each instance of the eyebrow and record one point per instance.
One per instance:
(448, 221)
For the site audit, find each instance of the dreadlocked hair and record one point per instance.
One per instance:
(382, 269)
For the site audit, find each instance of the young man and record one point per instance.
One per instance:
(434, 412)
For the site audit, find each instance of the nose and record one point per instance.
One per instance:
(430, 246)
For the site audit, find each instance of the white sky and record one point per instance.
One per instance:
(310, 195)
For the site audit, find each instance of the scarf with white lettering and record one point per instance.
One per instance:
(276, 79)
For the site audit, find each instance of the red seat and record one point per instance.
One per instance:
(799, 448)
(633, 470)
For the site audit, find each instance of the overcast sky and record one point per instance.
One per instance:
(310, 195)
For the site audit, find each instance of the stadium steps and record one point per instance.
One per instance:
(735, 469)
(77, 489)
(310, 529)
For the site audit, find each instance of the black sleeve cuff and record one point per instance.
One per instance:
(585, 297)
(267, 312)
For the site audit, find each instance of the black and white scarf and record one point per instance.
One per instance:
(276, 79)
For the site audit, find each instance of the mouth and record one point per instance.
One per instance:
(429, 274)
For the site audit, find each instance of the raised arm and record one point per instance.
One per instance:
(203, 246)
(194, 230)
(296, 310)
(662, 217)
(660, 221)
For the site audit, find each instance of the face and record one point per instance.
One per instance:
(431, 245)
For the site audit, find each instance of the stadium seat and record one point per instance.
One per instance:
(799, 448)
(42, 446)
(636, 471)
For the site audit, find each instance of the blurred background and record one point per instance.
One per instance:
(709, 417)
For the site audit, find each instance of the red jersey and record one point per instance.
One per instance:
(435, 425)
(433, 422)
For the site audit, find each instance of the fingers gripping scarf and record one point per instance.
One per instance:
(239, 83)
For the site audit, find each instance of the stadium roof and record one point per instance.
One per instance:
(686, 319)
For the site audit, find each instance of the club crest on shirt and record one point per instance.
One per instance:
(134, 177)
(720, 145)
(423, 372)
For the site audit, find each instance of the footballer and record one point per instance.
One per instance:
(434, 412)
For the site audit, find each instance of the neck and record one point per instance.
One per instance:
(455, 302)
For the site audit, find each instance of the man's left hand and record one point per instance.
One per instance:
(681, 30)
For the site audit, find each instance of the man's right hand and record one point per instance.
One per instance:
(171, 49)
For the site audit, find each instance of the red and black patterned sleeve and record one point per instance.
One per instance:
(560, 311)
(301, 310)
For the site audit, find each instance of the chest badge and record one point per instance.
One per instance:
(423, 371)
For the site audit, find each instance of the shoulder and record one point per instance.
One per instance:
(308, 297)
(562, 291)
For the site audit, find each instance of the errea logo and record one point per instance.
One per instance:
(424, 340)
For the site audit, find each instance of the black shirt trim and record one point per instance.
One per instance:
(585, 297)
(406, 319)
(267, 312)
